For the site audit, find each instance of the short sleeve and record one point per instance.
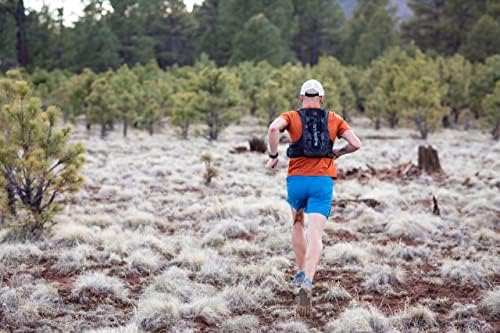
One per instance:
(288, 117)
(341, 126)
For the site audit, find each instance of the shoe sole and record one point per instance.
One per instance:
(304, 307)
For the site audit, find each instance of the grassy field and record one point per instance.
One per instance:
(147, 246)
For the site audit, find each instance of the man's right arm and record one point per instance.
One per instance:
(273, 135)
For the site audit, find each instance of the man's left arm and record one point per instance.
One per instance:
(353, 144)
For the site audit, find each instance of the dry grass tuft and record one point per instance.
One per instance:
(15, 254)
(176, 283)
(74, 233)
(255, 274)
(209, 309)
(244, 323)
(157, 312)
(465, 271)
(293, 326)
(241, 248)
(360, 319)
(461, 311)
(408, 253)
(490, 303)
(100, 284)
(335, 293)
(130, 328)
(418, 226)
(380, 278)
(232, 229)
(144, 260)
(244, 298)
(486, 237)
(416, 317)
(195, 258)
(74, 260)
(346, 254)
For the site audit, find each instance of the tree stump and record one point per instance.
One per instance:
(428, 160)
(258, 145)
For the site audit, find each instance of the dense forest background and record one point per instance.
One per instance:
(425, 64)
(112, 33)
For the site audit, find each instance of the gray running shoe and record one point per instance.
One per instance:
(304, 308)
(299, 278)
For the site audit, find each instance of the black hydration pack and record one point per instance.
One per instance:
(315, 140)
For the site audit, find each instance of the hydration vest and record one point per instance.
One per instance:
(315, 140)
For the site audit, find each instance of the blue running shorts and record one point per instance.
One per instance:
(313, 193)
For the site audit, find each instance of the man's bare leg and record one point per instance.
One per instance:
(315, 226)
(314, 233)
(299, 241)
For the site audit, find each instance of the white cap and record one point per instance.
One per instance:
(312, 87)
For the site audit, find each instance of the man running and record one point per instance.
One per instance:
(311, 175)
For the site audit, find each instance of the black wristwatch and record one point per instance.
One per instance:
(273, 156)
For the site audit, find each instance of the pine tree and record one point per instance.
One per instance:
(217, 95)
(126, 87)
(271, 98)
(455, 78)
(442, 26)
(491, 109)
(338, 91)
(92, 42)
(71, 95)
(184, 112)
(252, 79)
(101, 104)
(483, 82)
(172, 29)
(370, 31)
(376, 106)
(320, 30)
(259, 40)
(379, 35)
(419, 93)
(36, 162)
(483, 40)
(208, 35)
(129, 22)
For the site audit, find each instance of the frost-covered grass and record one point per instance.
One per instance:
(178, 254)
(466, 271)
(491, 302)
(100, 284)
(360, 319)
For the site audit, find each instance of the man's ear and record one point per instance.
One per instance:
(301, 98)
(321, 99)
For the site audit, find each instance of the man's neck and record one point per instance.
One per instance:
(311, 106)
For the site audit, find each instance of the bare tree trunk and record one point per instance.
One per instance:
(253, 110)
(22, 44)
(377, 123)
(428, 160)
(103, 131)
(11, 197)
(455, 112)
(422, 128)
(393, 120)
(125, 128)
(185, 131)
(496, 131)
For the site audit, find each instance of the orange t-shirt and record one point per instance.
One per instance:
(307, 166)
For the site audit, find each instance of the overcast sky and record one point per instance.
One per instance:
(73, 8)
